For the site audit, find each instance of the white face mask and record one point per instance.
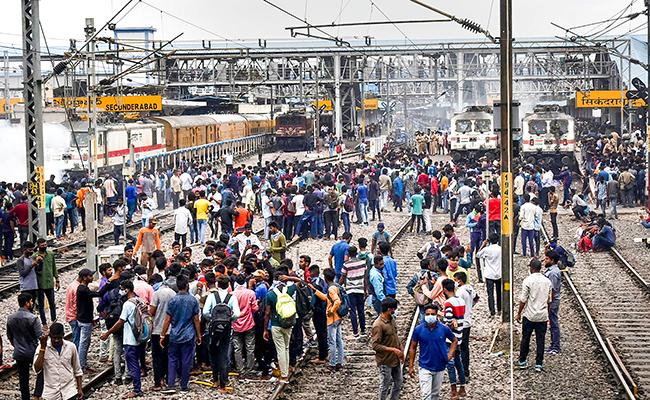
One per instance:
(430, 319)
(122, 292)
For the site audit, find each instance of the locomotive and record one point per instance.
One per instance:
(158, 135)
(294, 131)
(548, 137)
(472, 134)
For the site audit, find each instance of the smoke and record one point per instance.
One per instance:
(13, 153)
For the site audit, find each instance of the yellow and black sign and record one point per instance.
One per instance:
(506, 203)
(371, 104)
(13, 101)
(605, 99)
(114, 103)
(37, 189)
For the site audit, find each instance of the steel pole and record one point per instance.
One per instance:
(337, 97)
(32, 82)
(506, 158)
(647, 116)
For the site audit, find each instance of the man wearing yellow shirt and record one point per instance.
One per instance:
(202, 207)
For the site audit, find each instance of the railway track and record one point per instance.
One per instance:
(359, 377)
(71, 255)
(607, 300)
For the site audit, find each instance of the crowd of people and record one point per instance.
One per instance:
(222, 299)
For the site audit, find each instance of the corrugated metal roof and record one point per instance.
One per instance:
(182, 121)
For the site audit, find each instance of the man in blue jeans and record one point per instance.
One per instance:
(131, 345)
(527, 223)
(185, 335)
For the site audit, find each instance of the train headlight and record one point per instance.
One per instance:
(532, 142)
(565, 142)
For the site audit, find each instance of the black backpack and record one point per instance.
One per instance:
(304, 301)
(220, 316)
(113, 308)
(433, 252)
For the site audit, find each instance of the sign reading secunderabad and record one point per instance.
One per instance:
(114, 103)
(605, 99)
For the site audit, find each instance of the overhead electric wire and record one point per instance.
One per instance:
(193, 24)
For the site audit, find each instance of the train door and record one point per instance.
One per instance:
(102, 148)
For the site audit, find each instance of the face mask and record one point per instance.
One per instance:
(430, 319)
(42, 249)
(122, 292)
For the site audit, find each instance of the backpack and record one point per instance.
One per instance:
(348, 204)
(142, 321)
(418, 295)
(285, 307)
(584, 244)
(304, 301)
(112, 307)
(433, 252)
(291, 206)
(344, 308)
(220, 316)
(382, 237)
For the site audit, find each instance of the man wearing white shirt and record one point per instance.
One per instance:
(186, 183)
(247, 239)
(547, 182)
(175, 186)
(519, 184)
(527, 223)
(490, 253)
(533, 305)
(182, 222)
(267, 212)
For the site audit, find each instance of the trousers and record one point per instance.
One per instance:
(528, 237)
(335, 343)
(49, 293)
(180, 359)
(528, 327)
(554, 322)
(244, 348)
(492, 286)
(430, 382)
(281, 339)
(132, 356)
(390, 382)
(219, 348)
(86, 331)
(357, 314)
(160, 359)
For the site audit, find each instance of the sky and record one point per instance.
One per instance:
(254, 19)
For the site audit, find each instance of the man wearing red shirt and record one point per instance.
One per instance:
(434, 192)
(423, 180)
(494, 212)
(21, 212)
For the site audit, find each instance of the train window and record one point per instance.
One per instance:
(560, 126)
(154, 136)
(463, 125)
(100, 139)
(537, 126)
(482, 125)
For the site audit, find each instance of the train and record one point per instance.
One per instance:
(294, 131)
(548, 137)
(472, 134)
(157, 135)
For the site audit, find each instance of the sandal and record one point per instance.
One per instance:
(131, 395)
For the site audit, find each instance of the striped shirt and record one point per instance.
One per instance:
(455, 311)
(354, 271)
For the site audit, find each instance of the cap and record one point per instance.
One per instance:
(380, 225)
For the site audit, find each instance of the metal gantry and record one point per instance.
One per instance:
(33, 118)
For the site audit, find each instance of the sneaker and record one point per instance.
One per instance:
(539, 368)
(356, 335)
(552, 352)
(168, 391)
(522, 364)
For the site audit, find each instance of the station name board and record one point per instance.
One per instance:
(114, 103)
(371, 104)
(605, 99)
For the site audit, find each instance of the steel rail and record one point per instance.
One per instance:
(600, 339)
